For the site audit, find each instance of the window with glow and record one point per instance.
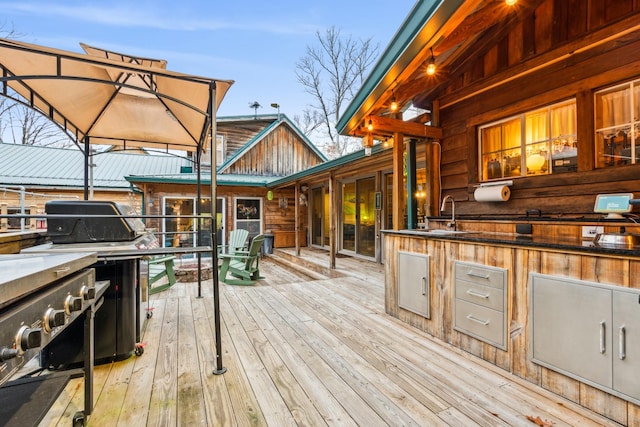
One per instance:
(617, 125)
(538, 142)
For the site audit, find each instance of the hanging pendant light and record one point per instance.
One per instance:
(431, 68)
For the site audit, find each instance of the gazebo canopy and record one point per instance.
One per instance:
(112, 98)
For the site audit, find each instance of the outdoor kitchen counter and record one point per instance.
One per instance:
(476, 291)
(559, 243)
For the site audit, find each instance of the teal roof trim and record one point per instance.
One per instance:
(400, 51)
(268, 129)
(205, 179)
(246, 117)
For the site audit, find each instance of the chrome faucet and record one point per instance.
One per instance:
(448, 197)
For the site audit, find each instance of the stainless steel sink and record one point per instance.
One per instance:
(621, 240)
(442, 232)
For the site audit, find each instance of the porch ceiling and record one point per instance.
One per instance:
(456, 30)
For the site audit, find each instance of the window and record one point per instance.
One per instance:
(249, 214)
(538, 142)
(180, 226)
(617, 125)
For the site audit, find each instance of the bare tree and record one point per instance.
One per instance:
(20, 124)
(29, 127)
(309, 122)
(332, 72)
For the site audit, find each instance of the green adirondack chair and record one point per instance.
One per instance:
(237, 242)
(242, 267)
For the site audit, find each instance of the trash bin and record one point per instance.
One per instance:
(267, 244)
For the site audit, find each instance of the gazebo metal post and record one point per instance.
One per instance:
(198, 219)
(86, 166)
(214, 244)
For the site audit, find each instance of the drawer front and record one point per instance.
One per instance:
(481, 322)
(481, 274)
(485, 296)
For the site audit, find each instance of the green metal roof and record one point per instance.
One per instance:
(30, 165)
(427, 15)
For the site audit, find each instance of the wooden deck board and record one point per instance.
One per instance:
(295, 330)
(164, 391)
(191, 406)
(304, 352)
(135, 411)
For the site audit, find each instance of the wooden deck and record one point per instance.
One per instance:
(305, 348)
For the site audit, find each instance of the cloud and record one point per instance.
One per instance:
(159, 18)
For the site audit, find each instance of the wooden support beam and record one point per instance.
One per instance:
(297, 220)
(333, 221)
(388, 126)
(432, 160)
(398, 173)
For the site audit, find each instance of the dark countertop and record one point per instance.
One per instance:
(543, 242)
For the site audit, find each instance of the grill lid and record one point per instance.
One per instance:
(90, 221)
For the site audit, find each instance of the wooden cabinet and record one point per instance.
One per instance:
(413, 282)
(287, 239)
(588, 331)
(480, 308)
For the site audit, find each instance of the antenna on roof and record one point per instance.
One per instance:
(255, 105)
(276, 105)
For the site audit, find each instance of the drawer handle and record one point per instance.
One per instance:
(477, 294)
(475, 319)
(479, 275)
(623, 343)
(62, 271)
(603, 344)
(424, 285)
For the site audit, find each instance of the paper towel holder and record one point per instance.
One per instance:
(496, 191)
(508, 183)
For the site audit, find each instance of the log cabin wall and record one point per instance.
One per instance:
(580, 44)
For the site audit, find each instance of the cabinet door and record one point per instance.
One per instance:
(413, 282)
(626, 343)
(572, 328)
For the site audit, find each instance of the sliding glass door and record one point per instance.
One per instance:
(359, 217)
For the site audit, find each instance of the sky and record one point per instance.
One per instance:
(255, 43)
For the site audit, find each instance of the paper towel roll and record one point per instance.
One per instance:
(492, 193)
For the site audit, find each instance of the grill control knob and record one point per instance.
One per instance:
(72, 304)
(88, 293)
(53, 318)
(27, 338)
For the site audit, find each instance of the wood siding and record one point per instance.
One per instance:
(279, 153)
(563, 50)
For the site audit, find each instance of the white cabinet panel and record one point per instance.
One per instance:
(572, 328)
(626, 342)
(589, 331)
(480, 304)
(413, 282)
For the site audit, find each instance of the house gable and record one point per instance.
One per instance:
(279, 149)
